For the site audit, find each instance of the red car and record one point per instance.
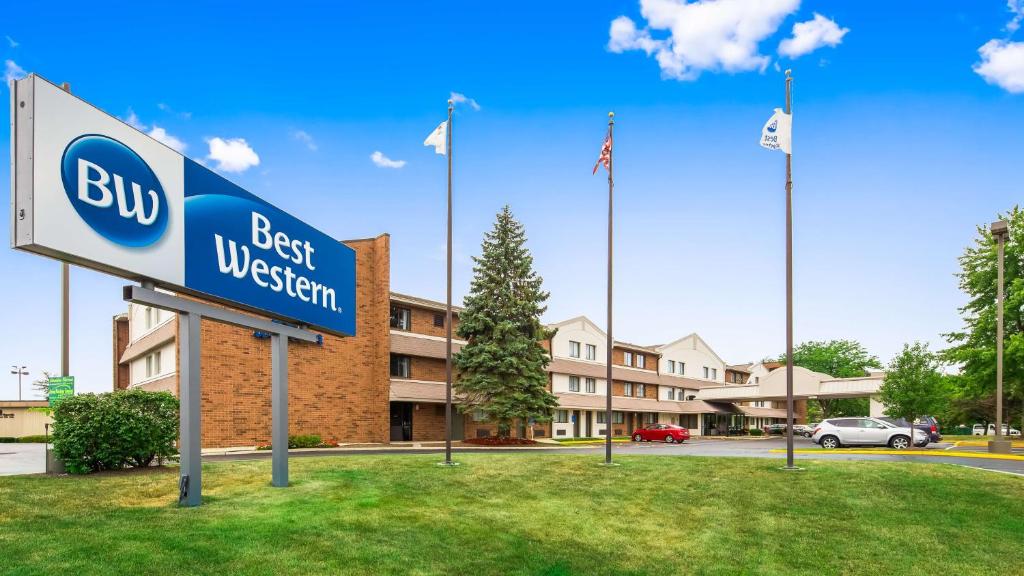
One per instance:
(662, 433)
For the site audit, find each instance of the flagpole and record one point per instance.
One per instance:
(610, 340)
(789, 287)
(448, 309)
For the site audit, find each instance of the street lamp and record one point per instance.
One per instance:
(20, 372)
(1000, 230)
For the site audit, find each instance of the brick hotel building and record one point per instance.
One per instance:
(386, 384)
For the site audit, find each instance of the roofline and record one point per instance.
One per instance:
(425, 302)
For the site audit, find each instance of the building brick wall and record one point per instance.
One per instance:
(122, 372)
(338, 390)
(423, 320)
(650, 360)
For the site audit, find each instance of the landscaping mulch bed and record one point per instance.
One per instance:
(498, 441)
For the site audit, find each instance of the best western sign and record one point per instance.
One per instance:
(89, 189)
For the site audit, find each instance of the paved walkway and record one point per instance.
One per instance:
(22, 459)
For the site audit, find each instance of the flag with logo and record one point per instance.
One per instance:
(606, 153)
(777, 133)
(438, 138)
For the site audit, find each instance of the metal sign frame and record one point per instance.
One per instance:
(190, 316)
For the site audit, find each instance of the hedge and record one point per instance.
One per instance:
(8, 439)
(756, 432)
(34, 439)
(109, 431)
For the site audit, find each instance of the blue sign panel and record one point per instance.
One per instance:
(240, 248)
(114, 190)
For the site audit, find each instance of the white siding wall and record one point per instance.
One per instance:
(137, 320)
(579, 331)
(168, 364)
(560, 383)
(696, 355)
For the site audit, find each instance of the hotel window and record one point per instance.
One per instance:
(400, 366)
(439, 319)
(401, 318)
(641, 390)
(574, 349)
(641, 361)
(479, 415)
(651, 418)
(671, 393)
(618, 418)
(149, 317)
(561, 416)
(671, 366)
(574, 383)
(707, 372)
(627, 389)
(682, 368)
(601, 416)
(591, 352)
(627, 358)
(591, 385)
(153, 364)
(714, 373)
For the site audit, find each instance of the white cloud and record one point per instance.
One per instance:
(161, 135)
(12, 42)
(709, 35)
(155, 132)
(383, 161)
(1002, 64)
(462, 98)
(133, 120)
(12, 71)
(166, 108)
(232, 154)
(1016, 7)
(305, 138)
(810, 35)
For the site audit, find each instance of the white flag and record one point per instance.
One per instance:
(777, 133)
(438, 138)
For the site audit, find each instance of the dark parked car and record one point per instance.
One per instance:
(927, 424)
(775, 428)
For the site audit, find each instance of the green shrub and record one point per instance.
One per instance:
(305, 441)
(34, 439)
(109, 431)
(8, 439)
(756, 432)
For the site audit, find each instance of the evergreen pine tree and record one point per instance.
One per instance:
(502, 367)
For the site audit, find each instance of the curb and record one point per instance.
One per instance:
(938, 453)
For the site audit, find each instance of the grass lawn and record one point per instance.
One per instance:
(521, 514)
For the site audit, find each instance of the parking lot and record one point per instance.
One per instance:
(768, 448)
(22, 459)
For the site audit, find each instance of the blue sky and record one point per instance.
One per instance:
(906, 137)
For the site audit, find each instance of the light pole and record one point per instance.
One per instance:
(20, 372)
(1000, 231)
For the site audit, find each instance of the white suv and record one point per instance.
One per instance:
(836, 432)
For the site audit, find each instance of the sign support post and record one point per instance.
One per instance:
(279, 409)
(191, 313)
(191, 469)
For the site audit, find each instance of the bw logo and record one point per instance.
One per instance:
(114, 191)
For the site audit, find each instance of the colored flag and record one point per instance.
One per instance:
(606, 153)
(438, 138)
(777, 133)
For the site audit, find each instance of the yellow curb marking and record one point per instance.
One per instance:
(909, 453)
(983, 443)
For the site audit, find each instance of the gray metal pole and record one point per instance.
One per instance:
(448, 307)
(279, 409)
(65, 304)
(1000, 243)
(789, 288)
(191, 472)
(610, 340)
